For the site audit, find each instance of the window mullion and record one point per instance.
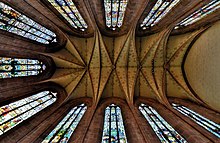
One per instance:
(164, 125)
(74, 14)
(54, 135)
(18, 115)
(197, 120)
(152, 22)
(154, 122)
(66, 13)
(23, 105)
(31, 26)
(153, 14)
(71, 122)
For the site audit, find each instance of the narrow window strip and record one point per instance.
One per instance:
(199, 14)
(158, 12)
(63, 131)
(163, 130)
(113, 129)
(114, 13)
(17, 23)
(70, 13)
(14, 67)
(209, 125)
(13, 114)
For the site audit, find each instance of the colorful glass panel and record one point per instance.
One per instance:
(114, 12)
(163, 130)
(69, 11)
(17, 23)
(160, 9)
(14, 67)
(199, 14)
(14, 113)
(113, 130)
(63, 131)
(209, 125)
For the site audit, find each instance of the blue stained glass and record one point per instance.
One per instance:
(163, 130)
(63, 131)
(209, 125)
(113, 130)
(160, 10)
(199, 14)
(17, 23)
(13, 114)
(14, 67)
(114, 13)
(69, 11)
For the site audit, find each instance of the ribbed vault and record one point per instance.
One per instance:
(126, 67)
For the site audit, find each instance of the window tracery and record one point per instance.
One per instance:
(113, 130)
(163, 130)
(199, 14)
(71, 14)
(160, 9)
(16, 112)
(207, 124)
(14, 67)
(63, 131)
(114, 13)
(17, 23)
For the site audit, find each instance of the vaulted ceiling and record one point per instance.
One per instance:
(126, 67)
(128, 62)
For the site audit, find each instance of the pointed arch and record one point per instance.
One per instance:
(17, 67)
(113, 130)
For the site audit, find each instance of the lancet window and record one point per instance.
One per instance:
(199, 14)
(114, 13)
(15, 22)
(16, 112)
(63, 131)
(113, 130)
(209, 125)
(15, 67)
(70, 13)
(163, 130)
(160, 9)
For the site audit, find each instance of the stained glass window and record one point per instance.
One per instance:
(199, 14)
(160, 9)
(17, 23)
(69, 11)
(163, 130)
(113, 131)
(14, 113)
(209, 125)
(63, 131)
(13, 67)
(114, 12)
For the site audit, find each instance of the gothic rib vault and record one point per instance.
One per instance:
(126, 67)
